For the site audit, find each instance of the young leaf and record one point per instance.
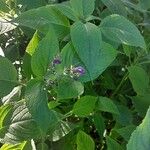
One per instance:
(105, 104)
(44, 54)
(84, 141)
(69, 88)
(36, 101)
(8, 76)
(140, 138)
(139, 79)
(120, 30)
(112, 144)
(95, 54)
(84, 106)
(83, 8)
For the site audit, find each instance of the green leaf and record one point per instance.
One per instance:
(141, 103)
(116, 7)
(69, 88)
(105, 104)
(37, 103)
(125, 132)
(3, 6)
(84, 141)
(4, 111)
(95, 54)
(84, 106)
(112, 144)
(140, 138)
(144, 4)
(21, 146)
(33, 44)
(120, 30)
(139, 79)
(45, 53)
(8, 77)
(99, 124)
(19, 125)
(83, 8)
(67, 11)
(42, 17)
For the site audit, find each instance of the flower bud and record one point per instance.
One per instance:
(79, 70)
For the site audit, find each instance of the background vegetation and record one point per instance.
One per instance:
(75, 75)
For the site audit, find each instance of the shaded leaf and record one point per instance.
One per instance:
(137, 76)
(8, 76)
(84, 141)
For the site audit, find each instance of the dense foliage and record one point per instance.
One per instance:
(75, 75)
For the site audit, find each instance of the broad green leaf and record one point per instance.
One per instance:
(19, 125)
(105, 104)
(42, 17)
(95, 55)
(21, 146)
(84, 106)
(47, 49)
(84, 141)
(140, 138)
(141, 103)
(139, 79)
(112, 144)
(99, 124)
(83, 8)
(37, 103)
(69, 88)
(126, 131)
(120, 30)
(8, 76)
(67, 11)
(116, 7)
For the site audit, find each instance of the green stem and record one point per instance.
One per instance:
(120, 85)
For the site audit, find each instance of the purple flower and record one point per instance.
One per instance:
(56, 61)
(79, 70)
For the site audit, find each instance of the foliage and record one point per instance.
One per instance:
(75, 74)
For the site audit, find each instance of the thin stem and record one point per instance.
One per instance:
(120, 85)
